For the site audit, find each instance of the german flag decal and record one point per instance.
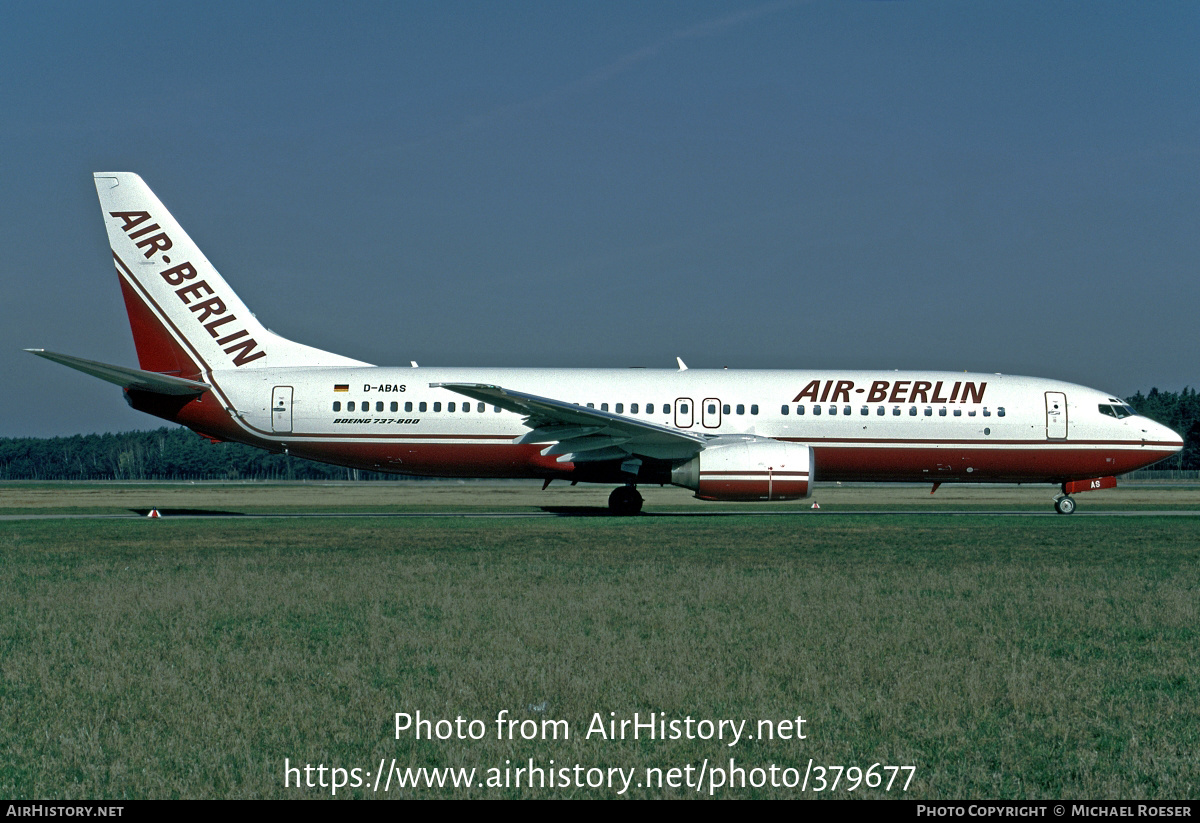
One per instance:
(341, 387)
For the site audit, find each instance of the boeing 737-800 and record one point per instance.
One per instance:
(207, 363)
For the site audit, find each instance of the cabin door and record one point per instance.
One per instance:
(1056, 415)
(281, 409)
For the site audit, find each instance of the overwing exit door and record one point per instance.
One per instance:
(710, 413)
(281, 409)
(685, 414)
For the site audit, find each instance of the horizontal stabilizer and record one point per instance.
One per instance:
(127, 378)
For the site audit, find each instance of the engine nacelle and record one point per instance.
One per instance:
(751, 470)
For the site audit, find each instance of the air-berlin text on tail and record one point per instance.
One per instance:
(888, 391)
(201, 300)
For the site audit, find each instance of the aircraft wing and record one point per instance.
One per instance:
(127, 378)
(582, 434)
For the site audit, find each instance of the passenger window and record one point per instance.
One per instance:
(799, 410)
(783, 410)
(846, 410)
(424, 406)
(958, 412)
(395, 406)
(449, 406)
(879, 412)
(591, 405)
(986, 413)
(741, 409)
(378, 405)
(864, 411)
(833, 409)
(1000, 412)
(683, 408)
(408, 406)
(712, 408)
(633, 408)
(725, 409)
(929, 411)
(337, 405)
(466, 407)
(754, 409)
(942, 411)
(496, 409)
(895, 411)
(816, 409)
(971, 413)
(481, 407)
(912, 411)
(437, 407)
(603, 407)
(620, 409)
(350, 405)
(649, 408)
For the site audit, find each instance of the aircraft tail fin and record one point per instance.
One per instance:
(185, 318)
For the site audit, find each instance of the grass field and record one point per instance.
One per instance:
(450, 496)
(1003, 657)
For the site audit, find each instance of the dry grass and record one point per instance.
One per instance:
(1003, 657)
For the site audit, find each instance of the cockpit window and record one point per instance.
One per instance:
(1118, 410)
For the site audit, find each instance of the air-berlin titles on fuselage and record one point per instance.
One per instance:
(887, 391)
(193, 294)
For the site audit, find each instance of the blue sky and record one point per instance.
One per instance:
(1005, 187)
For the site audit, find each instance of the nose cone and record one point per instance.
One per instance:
(1162, 436)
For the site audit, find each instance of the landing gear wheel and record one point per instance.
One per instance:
(624, 500)
(1064, 505)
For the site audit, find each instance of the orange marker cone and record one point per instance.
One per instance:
(154, 513)
(816, 505)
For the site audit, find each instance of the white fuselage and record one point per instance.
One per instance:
(938, 426)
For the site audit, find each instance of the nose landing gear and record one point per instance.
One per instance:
(1063, 504)
(625, 500)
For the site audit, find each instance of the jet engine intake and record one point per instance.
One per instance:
(750, 470)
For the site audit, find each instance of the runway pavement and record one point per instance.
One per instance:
(590, 512)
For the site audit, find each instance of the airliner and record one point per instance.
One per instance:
(746, 435)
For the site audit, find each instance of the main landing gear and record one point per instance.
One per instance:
(1064, 504)
(625, 500)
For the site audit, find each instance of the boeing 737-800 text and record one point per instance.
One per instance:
(207, 363)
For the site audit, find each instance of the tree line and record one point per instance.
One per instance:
(178, 454)
(162, 454)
